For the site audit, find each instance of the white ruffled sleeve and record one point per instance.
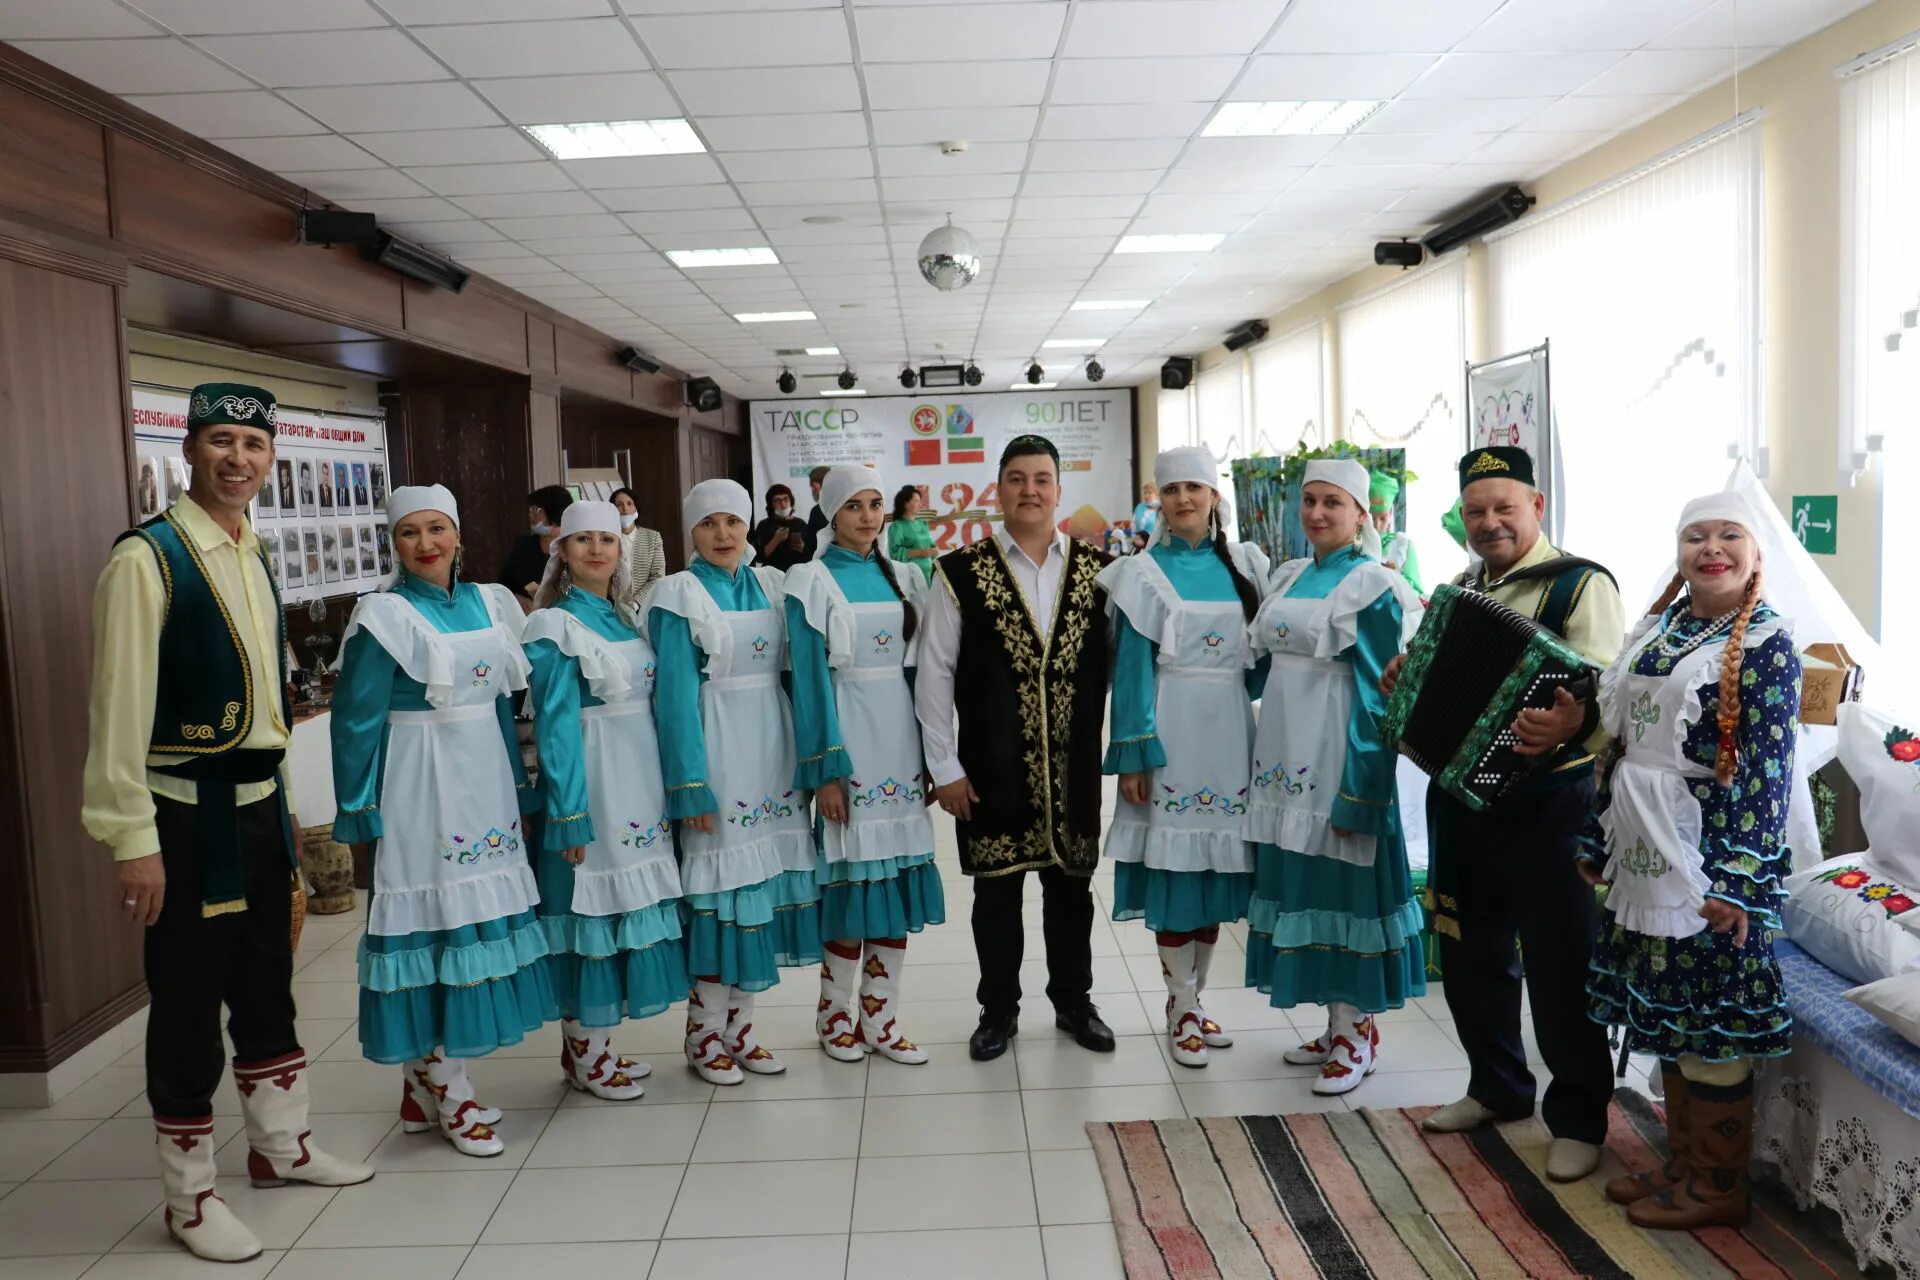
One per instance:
(1337, 628)
(509, 620)
(410, 640)
(687, 597)
(1139, 590)
(608, 678)
(825, 607)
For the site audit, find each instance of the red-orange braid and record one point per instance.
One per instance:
(1668, 596)
(1728, 719)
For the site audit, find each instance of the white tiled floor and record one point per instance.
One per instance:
(955, 1169)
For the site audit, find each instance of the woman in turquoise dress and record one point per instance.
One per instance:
(1333, 919)
(852, 614)
(909, 541)
(427, 778)
(609, 884)
(750, 904)
(1182, 727)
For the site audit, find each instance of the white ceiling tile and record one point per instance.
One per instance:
(1122, 28)
(576, 99)
(822, 192)
(667, 221)
(983, 186)
(794, 166)
(344, 186)
(802, 129)
(926, 160)
(1406, 148)
(576, 46)
(800, 244)
(492, 179)
(1003, 31)
(135, 66)
(787, 217)
(70, 20)
(768, 92)
(475, 238)
(285, 61)
(1089, 206)
(1553, 25)
(239, 17)
(804, 38)
(1302, 77)
(637, 257)
(1530, 148)
(634, 171)
(1510, 75)
(1056, 157)
(1454, 115)
(1390, 26)
(1367, 178)
(1243, 204)
(1752, 23)
(1146, 120)
(1668, 71)
(979, 124)
(430, 12)
(1256, 153)
(1213, 178)
(283, 155)
(370, 108)
(1190, 222)
(897, 86)
(560, 228)
(1603, 114)
(411, 209)
(252, 114)
(1092, 231)
(1137, 80)
(529, 204)
(451, 146)
(1113, 182)
(509, 274)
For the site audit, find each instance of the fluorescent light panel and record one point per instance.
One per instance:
(835, 391)
(694, 259)
(610, 138)
(1081, 344)
(823, 351)
(771, 317)
(1110, 304)
(1271, 119)
(1201, 242)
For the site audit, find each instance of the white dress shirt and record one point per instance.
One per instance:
(939, 639)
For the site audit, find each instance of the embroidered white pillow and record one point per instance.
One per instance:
(1895, 1001)
(1847, 915)
(1881, 753)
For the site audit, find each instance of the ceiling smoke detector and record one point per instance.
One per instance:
(953, 148)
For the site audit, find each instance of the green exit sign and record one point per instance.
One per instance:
(1816, 521)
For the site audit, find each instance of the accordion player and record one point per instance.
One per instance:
(1473, 667)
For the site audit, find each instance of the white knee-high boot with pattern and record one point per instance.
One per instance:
(1212, 1032)
(590, 1065)
(1177, 966)
(880, 1004)
(1314, 1052)
(273, 1098)
(742, 1044)
(835, 1021)
(440, 1097)
(196, 1217)
(1355, 1051)
(706, 1034)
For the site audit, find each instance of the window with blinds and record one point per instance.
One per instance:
(1289, 391)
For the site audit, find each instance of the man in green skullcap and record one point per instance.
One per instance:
(186, 783)
(1396, 548)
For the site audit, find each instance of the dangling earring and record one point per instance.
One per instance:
(566, 581)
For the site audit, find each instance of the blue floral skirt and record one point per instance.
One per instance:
(469, 990)
(745, 936)
(1179, 901)
(1320, 930)
(1700, 995)
(881, 898)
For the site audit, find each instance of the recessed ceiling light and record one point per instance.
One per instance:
(771, 317)
(616, 138)
(823, 351)
(822, 219)
(1268, 119)
(1080, 344)
(1109, 304)
(694, 259)
(1201, 242)
(850, 391)
(1033, 386)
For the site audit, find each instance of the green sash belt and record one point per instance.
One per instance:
(223, 877)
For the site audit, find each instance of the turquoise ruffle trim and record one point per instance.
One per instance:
(1135, 757)
(745, 936)
(451, 957)
(1179, 901)
(808, 775)
(356, 828)
(691, 802)
(567, 833)
(601, 936)
(1373, 984)
(886, 898)
(1294, 930)
(471, 989)
(602, 991)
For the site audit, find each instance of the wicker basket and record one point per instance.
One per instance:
(329, 869)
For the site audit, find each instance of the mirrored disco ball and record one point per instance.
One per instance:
(949, 259)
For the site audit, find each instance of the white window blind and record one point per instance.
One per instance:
(1220, 407)
(1402, 371)
(1648, 288)
(1289, 391)
(1174, 414)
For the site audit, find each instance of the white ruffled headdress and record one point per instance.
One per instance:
(582, 517)
(1351, 476)
(840, 486)
(411, 499)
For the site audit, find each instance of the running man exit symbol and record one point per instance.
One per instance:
(1815, 518)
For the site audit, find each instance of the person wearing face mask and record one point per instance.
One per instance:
(645, 555)
(853, 615)
(609, 885)
(1701, 704)
(527, 559)
(428, 782)
(1333, 919)
(750, 902)
(781, 541)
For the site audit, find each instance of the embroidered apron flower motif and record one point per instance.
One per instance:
(1645, 715)
(1206, 801)
(1292, 781)
(882, 638)
(1213, 639)
(769, 808)
(887, 794)
(759, 648)
(1903, 746)
(481, 673)
(639, 836)
(457, 849)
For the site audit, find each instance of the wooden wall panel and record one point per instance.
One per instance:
(474, 320)
(596, 434)
(539, 345)
(54, 162)
(587, 363)
(543, 437)
(474, 440)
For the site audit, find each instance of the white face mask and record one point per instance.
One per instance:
(541, 528)
(627, 520)
(782, 511)
(1154, 503)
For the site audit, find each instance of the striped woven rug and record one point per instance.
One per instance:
(1368, 1193)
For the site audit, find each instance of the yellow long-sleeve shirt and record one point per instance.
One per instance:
(129, 608)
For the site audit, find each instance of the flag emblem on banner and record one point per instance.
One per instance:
(974, 450)
(923, 453)
(926, 420)
(959, 420)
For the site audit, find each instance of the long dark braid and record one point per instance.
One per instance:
(1249, 595)
(910, 622)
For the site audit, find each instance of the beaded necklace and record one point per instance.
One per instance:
(1665, 643)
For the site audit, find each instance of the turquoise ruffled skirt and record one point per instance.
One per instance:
(1320, 930)
(471, 989)
(1179, 901)
(883, 898)
(609, 968)
(745, 936)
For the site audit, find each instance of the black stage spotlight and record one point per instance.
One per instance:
(973, 375)
(786, 382)
(703, 394)
(415, 261)
(1176, 373)
(1095, 371)
(909, 379)
(1035, 373)
(846, 380)
(1505, 207)
(637, 360)
(1397, 253)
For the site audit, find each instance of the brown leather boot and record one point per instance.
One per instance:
(1638, 1186)
(1714, 1191)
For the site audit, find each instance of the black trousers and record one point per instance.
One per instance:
(197, 963)
(999, 938)
(1513, 878)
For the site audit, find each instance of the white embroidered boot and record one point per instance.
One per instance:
(834, 1022)
(706, 1032)
(1183, 1004)
(742, 1045)
(440, 1097)
(880, 1004)
(273, 1097)
(1356, 1051)
(1212, 1032)
(590, 1065)
(1314, 1052)
(196, 1217)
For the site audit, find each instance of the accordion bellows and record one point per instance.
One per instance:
(1474, 665)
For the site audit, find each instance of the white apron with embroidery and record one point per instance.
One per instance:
(1653, 821)
(1197, 802)
(452, 850)
(886, 796)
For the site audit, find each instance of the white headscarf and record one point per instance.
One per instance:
(714, 497)
(1350, 476)
(1725, 505)
(411, 499)
(580, 517)
(1189, 464)
(840, 486)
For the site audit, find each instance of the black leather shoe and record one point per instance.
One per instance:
(1087, 1029)
(989, 1039)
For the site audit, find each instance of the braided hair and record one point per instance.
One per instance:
(1248, 593)
(1728, 719)
(910, 621)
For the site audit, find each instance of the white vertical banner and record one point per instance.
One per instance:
(1509, 402)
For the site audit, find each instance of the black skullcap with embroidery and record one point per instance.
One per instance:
(221, 404)
(1028, 446)
(1496, 462)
